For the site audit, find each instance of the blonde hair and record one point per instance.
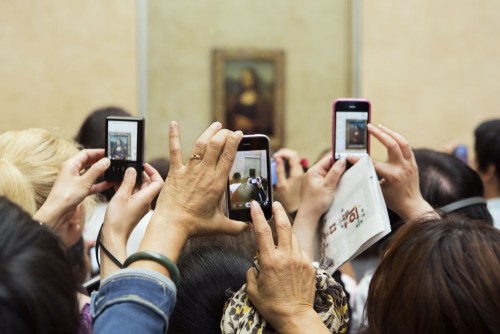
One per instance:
(16, 187)
(30, 162)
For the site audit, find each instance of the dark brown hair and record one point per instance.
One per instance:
(37, 286)
(438, 276)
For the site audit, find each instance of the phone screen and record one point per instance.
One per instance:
(350, 135)
(250, 179)
(122, 140)
(124, 146)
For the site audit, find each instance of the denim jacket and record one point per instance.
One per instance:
(133, 301)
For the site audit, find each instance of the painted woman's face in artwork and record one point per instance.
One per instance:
(247, 78)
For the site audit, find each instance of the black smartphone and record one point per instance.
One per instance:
(249, 178)
(124, 146)
(349, 128)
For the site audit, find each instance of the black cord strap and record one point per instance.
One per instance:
(105, 250)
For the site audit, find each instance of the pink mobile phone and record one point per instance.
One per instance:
(349, 128)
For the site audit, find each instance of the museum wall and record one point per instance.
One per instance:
(62, 59)
(315, 38)
(431, 68)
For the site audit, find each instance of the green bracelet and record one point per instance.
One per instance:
(158, 258)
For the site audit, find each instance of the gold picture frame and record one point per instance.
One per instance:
(248, 89)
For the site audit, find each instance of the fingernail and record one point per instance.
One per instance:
(254, 204)
(216, 125)
(341, 163)
(106, 162)
(239, 133)
(130, 172)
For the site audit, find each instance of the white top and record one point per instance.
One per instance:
(94, 222)
(494, 209)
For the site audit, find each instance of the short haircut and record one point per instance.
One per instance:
(208, 273)
(93, 130)
(37, 285)
(487, 145)
(438, 276)
(445, 179)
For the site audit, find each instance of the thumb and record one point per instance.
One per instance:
(235, 227)
(128, 183)
(251, 277)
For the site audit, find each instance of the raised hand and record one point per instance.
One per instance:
(125, 210)
(283, 288)
(75, 182)
(399, 175)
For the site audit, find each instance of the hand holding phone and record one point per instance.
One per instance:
(124, 146)
(250, 178)
(349, 129)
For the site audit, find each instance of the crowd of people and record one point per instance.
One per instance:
(185, 267)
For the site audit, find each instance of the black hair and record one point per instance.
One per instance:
(37, 285)
(487, 145)
(255, 77)
(208, 275)
(92, 131)
(445, 179)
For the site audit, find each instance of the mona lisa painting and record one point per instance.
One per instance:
(248, 91)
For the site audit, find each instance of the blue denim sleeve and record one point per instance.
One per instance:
(133, 301)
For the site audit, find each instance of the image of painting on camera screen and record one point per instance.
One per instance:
(356, 134)
(120, 146)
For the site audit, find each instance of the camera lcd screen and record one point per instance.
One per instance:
(351, 133)
(122, 140)
(249, 180)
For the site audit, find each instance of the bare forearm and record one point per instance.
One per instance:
(305, 228)
(164, 237)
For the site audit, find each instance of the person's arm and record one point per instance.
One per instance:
(124, 211)
(188, 205)
(399, 175)
(189, 202)
(318, 190)
(74, 183)
(287, 307)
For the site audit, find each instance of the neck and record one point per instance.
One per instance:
(492, 189)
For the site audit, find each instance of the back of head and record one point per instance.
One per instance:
(37, 287)
(444, 179)
(92, 131)
(438, 276)
(37, 156)
(17, 187)
(208, 274)
(487, 145)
